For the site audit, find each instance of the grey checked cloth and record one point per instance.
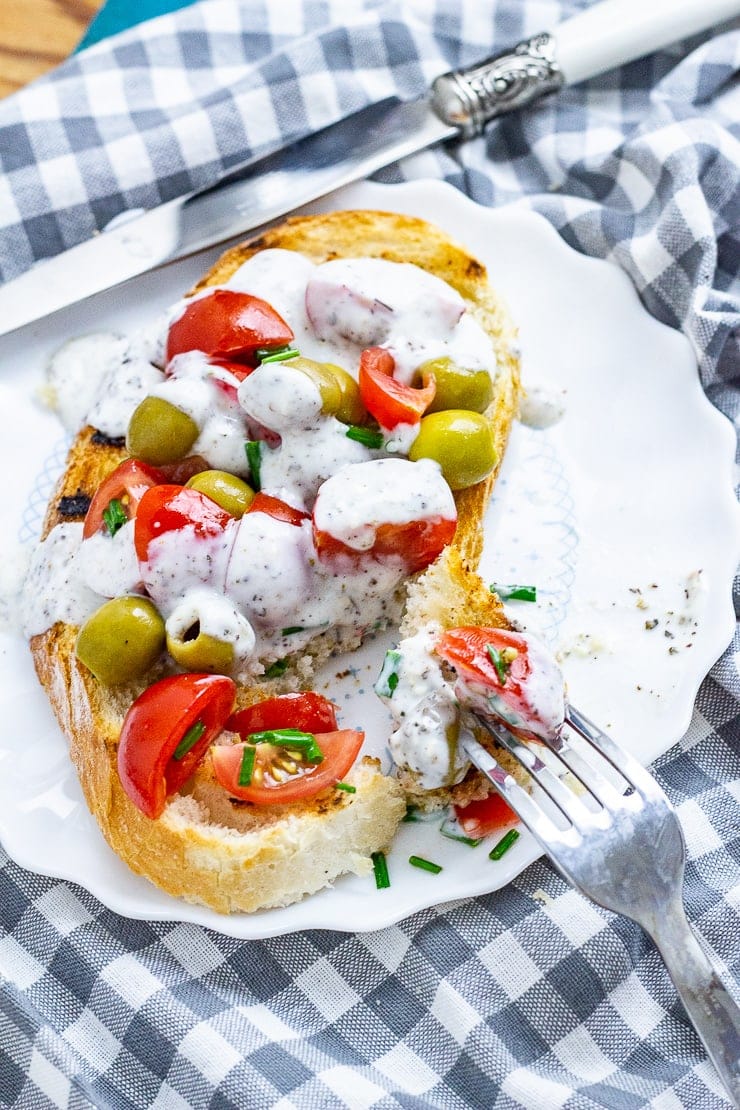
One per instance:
(529, 997)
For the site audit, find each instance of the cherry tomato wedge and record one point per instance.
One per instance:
(166, 733)
(280, 510)
(228, 325)
(389, 401)
(418, 542)
(167, 508)
(528, 695)
(301, 778)
(485, 816)
(309, 712)
(127, 484)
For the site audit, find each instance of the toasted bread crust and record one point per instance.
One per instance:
(203, 848)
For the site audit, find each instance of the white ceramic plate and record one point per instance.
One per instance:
(622, 514)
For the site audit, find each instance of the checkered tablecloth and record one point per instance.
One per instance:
(530, 997)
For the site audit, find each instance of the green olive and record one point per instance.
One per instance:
(228, 491)
(350, 409)
(457, 388)
(197, 651)
(460, 441)
(340, 393)
(121, 640)
(159, 433)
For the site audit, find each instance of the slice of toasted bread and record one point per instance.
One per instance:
(206, 847)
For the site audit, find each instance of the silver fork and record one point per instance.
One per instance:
(617, 839)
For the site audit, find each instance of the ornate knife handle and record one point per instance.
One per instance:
(469, 98)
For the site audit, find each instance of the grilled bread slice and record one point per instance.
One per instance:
(206, 847)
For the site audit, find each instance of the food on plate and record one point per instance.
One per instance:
(297, 454)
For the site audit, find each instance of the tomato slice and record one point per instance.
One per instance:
(339, 751)
(389, 401)
(417, 542)
(228, 325)
(167, 508)
(166, 733)
(309, 712)
(497, 662)
(127, 484)
(485, 816)
(280, 510)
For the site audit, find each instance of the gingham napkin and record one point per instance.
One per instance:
(530, 997)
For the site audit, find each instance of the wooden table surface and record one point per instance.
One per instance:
(36, 35)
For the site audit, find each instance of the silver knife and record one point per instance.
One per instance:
(260, 191)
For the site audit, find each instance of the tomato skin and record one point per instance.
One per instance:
(167, 508)
(308, 711)
(127, 483)
(227, 325)
(389, 401)
(274, 507)
(485, 816)
(154, 726)
(339, 748)
(417, 542)
(517, 699)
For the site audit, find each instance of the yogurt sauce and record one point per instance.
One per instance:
(426, 714)
(426, 707)
(263, 577)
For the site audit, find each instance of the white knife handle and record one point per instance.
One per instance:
(617, 31)
(602, 37)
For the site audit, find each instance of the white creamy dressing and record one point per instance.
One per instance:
(77, 371)
(541, 407)
(426, 706)
(426, 714)
(108, 564)
(54, 589)
(313, 445)
(262, 576)
(352, 503)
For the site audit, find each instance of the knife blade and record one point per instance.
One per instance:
(459, 105)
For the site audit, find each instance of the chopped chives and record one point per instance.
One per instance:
(280, 355)
(453, 831)
(189, 740)
(247, 766)
(380, 868)
(411, 814)
(277, 668)
(291, 629)
(346, 786)
(513, 592)
(114, 516)
(425, 864)
(388, 678)
(253, 448)
(500, 664)
(303, 742)
(504, 844)
(370, 437)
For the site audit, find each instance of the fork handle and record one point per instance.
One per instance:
(712, 1010)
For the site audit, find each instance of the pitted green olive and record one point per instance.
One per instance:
(460, 441)
(457, 388)
(323, 379)
(197, 651)
(160, 433)
(121, 640)
(228, 491)
(350, 409)
(340, 394)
